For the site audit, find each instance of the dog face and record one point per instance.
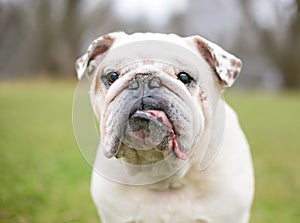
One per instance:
(155, 94)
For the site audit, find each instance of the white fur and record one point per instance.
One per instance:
(220, 194)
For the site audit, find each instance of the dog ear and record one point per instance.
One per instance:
(96, 49)
(225, 66)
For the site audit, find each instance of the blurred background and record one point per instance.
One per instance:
(43, 176)
(45, 37)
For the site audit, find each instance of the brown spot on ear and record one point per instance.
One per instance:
(235, 63)
(235, 74)
(224, 56)
(228, 74)
(101, 47)
(204, 49)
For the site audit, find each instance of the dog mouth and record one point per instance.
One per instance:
(154, 129)
(150, 132)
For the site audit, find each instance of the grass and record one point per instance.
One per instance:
(271, 123)
(44, 178)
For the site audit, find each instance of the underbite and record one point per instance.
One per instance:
(150, 136)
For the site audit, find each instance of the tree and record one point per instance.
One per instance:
(58, 39)
(47, 36)
(282, 44)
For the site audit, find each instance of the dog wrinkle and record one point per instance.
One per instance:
(97, 85)
(148, 62)
(170, 71)
(130, 155)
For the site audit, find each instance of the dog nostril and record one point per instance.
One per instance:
(154, 83)
(134, 85)
(144, 80)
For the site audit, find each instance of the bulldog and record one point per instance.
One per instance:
(171, 149)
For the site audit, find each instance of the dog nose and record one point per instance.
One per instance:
(154, 82)
(144, 80)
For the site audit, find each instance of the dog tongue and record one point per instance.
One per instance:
(163, 117)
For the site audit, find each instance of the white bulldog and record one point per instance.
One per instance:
(171, 149)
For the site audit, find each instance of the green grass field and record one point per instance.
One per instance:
(45, 179)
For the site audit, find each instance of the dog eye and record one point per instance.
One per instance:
(112, 77)
(184, 78)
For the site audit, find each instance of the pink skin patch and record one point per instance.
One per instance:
(161, 115)
(141, 134)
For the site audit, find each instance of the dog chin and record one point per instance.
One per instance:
(149, 137)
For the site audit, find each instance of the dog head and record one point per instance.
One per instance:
(155, 94)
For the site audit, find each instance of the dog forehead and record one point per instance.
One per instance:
(168, 48)
(157, 54)
(159, 51)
